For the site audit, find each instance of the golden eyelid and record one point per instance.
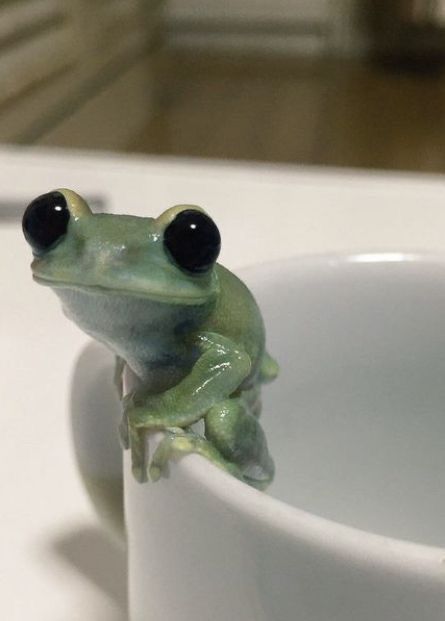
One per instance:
(170, 214)
(77, 206)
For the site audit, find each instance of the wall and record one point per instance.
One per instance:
(309, 27)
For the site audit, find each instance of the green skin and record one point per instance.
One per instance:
(194, 342)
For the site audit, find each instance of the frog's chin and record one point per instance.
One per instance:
(155, 296)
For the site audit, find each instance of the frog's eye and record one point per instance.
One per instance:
(45, 221)
(193, 241)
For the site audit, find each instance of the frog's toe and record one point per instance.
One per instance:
(155, 472)
(139, 454)
(123, 434)
(140, 473)
(260, 475)
(164, 451)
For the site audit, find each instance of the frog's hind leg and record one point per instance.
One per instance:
(234, 430)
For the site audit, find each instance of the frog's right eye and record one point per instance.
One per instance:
(45, 221)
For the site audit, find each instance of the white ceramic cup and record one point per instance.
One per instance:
(353, 527)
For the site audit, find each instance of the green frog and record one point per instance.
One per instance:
(186, 329)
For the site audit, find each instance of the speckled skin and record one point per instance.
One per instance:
(195, 342)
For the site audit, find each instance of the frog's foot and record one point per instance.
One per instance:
(138, 421)
(139, 454)
(235, 432)
(182, 442)
(260, 477)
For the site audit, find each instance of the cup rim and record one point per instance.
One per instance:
(358, 545)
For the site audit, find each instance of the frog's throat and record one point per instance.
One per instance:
(156, 296)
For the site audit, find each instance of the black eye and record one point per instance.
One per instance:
(45, 221)
(193, 240)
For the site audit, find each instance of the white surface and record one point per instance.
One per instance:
(55, 558)
(361, 412)
(355, 423)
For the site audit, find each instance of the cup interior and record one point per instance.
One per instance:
(356, 419)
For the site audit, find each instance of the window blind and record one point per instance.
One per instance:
(52, 50)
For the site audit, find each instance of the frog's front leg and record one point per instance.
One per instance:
(218, 372)
(178, 441)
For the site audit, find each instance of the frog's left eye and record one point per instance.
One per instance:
(193, 241)
(45, 221)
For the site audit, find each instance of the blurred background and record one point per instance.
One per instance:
(327, 82)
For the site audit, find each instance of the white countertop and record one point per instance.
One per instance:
(56, 562)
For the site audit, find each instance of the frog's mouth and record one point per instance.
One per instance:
(180, 298)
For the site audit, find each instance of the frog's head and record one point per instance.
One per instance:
(166, 259)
